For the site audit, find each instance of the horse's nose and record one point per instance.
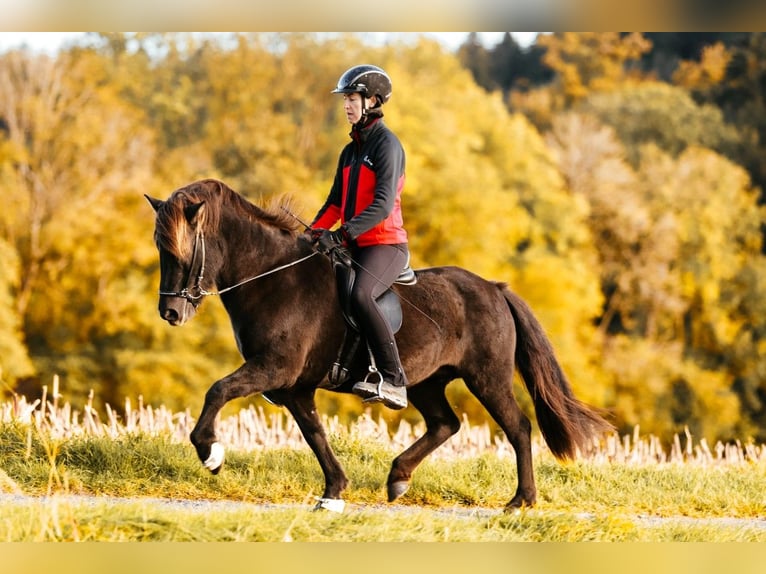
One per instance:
(170, 315)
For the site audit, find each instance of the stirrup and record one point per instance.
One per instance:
(378, 396)
(392, 397)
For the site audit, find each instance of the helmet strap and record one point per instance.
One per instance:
(368, 116)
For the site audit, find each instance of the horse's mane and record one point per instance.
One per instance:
(172, 227)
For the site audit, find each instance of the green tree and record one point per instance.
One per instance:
(660, 114)
(475, 57)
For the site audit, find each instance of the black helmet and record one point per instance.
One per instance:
(367, 80)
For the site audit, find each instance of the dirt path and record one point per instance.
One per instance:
(203, 506)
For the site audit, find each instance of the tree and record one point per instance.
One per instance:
(635, 250)
(14, 359)
(581, 64)
(586, 62)
(673, 51)
(660, 114)
(705, 74)
(717, 228)
(77, 159)
(677, 239)
(741, 97)
(474, 56)
(482, 192)
(505, 61)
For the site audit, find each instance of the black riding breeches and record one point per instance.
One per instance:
(377, 267)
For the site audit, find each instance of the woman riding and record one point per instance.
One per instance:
(366, 198)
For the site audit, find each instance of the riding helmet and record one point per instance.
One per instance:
(367, 80)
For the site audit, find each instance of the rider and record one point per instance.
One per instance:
(366, 197)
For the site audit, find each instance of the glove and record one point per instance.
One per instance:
(313, 235)
(329, 240)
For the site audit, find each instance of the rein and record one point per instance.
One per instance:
(197, 292)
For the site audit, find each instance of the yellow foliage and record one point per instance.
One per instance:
(656, 388)
(590, 61)
(637, 247)
(14, 358)
(708, 72)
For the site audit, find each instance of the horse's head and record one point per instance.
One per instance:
(180, 239)
(194, 230)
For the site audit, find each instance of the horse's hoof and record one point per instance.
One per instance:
(518, 503)
(215, 460)
(396, 489)
(331, 504)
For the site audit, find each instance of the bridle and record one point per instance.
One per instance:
(195, 293)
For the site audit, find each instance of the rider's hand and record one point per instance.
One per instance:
(329, 240)
(313, 235)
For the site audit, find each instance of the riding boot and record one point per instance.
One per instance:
(390, 388)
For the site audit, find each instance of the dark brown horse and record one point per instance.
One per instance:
(282, 299)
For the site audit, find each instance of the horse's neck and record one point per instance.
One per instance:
(253, 248)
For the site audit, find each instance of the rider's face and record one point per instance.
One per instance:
(352, 106)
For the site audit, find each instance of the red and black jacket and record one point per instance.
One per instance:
(366, 193)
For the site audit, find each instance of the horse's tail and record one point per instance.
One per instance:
(567, 424)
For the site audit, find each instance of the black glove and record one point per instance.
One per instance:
(329, 240)
(313, 235)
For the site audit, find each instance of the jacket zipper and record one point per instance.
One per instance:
(353, 182)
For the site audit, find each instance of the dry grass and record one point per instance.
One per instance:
(628, 488)
(253, 430)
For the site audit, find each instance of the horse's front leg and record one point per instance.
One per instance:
(245, 381)
(300, 403)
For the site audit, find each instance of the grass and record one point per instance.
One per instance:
(131, 468)
(63, 519)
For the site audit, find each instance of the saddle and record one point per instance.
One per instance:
(388, 302)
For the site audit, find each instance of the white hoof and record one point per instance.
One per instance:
(215, 460)
(331, 504)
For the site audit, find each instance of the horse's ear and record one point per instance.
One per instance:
(155, 203)
(194, 212)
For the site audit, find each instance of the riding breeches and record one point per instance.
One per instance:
(377, 267)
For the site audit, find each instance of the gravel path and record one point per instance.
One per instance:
(457, 512)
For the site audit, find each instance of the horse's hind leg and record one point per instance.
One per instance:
(441, 423)
(495, 392)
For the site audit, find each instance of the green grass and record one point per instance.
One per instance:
(449, 499)
(63, 519)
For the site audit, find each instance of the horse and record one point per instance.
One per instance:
(282, 299)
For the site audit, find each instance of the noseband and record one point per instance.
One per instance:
(195, 293)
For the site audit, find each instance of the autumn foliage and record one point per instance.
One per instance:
(612, 201)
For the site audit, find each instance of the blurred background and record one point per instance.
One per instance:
(614, 180)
